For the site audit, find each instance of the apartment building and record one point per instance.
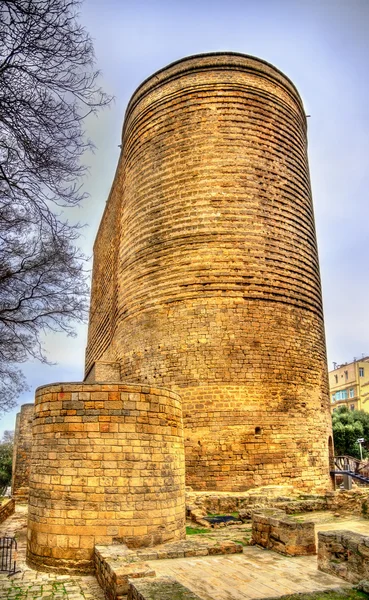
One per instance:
(349, 385)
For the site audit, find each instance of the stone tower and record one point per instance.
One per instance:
(206, 273)
(22, 453)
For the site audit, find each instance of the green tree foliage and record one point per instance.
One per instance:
(348, 426)
(6, 454)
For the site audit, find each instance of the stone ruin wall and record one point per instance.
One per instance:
(206, 274)
(22, 453)
(107, 466)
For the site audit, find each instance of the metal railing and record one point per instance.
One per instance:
(350, 467)
(8, 555)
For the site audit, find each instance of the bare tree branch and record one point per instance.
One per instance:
(48, 85)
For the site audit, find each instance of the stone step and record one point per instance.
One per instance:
(115, 565)
(165, 588)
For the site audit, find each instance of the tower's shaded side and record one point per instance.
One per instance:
(22, 453)
(206, 274)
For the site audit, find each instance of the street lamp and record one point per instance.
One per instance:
(361, 441)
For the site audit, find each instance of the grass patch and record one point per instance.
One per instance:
(328, 595)
(240, 542)
(195, 530)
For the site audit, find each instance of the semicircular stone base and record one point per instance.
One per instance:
(107, 465)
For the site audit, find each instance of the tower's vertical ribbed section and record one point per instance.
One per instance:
(217, 280)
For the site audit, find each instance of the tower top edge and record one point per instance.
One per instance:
(212, 61)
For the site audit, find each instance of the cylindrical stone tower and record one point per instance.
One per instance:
(107, 466)
(206, 273)
(22, 453)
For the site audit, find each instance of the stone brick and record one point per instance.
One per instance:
(276, 531)
(22, 453)
(344, 554)
(7, 508)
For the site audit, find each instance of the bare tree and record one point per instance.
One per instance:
(48, 86)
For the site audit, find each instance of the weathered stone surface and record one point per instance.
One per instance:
(301, 506)
(107, 464)
(192, 546)
(7, 508)
(355, 501)
(115, 565)
(285, 498)
(202, 547)
(22, 453)
(160, 588)
(206, 274)
(344, 554)
(363, 586)
(274, 530)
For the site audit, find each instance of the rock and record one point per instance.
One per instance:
(363, 586)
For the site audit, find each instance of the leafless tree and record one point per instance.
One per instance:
(48, 86)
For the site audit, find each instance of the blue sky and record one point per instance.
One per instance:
(323, 46)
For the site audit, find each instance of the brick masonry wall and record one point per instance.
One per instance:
(7, 509)
(344, 554)
(217, 290)
(114, 567)
(22, 453)
(104, 289)
(354, 502)
(107, 464)
(276, 531)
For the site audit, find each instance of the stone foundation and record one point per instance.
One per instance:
(115, 565)
(107, 465)
(344, 554)
(22, 453)
(355, 501)
(286, 498)
(7, 509)
(276, 531)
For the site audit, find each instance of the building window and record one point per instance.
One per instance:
(352, 406)
(346, 375)
(361, 371)
(352, 392)
(341, 395)
(336, 378)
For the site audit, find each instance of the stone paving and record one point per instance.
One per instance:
(33, 585)
(256, 573)
(357, 524)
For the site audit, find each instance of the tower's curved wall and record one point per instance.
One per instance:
(22, 453)
(217, 289)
